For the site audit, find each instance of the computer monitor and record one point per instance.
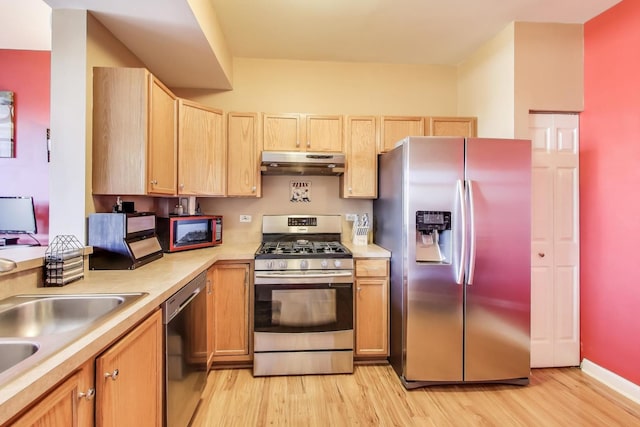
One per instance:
(17, 215)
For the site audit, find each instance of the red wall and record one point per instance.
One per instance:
(28, 74)
(610, 190)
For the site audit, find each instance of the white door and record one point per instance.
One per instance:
(555, 244)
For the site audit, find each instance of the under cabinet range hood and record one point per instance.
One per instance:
(302, 163)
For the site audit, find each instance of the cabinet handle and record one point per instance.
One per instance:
(182, 186)
(113, 375)
(350, 190)
(541, 254)
(359, 288)
(209, 287)
(253, 189)
(88, 395)
(154, 182)
(297, 143)
(308, 143)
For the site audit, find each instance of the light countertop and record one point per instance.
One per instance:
(159, 279)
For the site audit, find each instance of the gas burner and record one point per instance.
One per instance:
(302, 248)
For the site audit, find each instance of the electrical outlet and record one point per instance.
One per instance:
(245, 218)
(351, 217)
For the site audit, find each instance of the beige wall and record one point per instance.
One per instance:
(486, 86)
(549, 70)
(334, 88)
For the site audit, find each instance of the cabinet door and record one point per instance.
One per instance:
(129, 378)
(393, 129)
(68, 404)
(361, 175)
(162, 150)
(231, 315)
(120, 126)
(371, 317)
(281, 132)
(243, 171)
(323, 133)
(202, 151)
(452, 126)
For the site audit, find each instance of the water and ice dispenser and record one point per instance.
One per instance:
(433, 236)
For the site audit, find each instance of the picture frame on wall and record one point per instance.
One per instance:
(7, 132)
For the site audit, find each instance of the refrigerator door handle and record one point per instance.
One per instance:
(472, 234)
(463, 226)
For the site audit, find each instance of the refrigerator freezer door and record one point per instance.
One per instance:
(497, 306)
(433, 330)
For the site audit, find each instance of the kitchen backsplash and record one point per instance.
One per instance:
(280, 195)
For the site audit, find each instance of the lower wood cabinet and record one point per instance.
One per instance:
(232, 317)
(129, 378)
(124, 389)
(70, 403)
(372, 308)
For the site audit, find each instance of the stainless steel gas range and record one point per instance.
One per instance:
(303, 297)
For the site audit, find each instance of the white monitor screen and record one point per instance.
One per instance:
(17, 215)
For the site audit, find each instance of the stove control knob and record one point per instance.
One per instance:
(324, 264)
(282, 265)
(337, 263)
(304, 264)
(269, 265)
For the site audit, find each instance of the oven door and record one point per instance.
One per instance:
(304, 308)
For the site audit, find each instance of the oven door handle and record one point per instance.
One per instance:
(276, 275)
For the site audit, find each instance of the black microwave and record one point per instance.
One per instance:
(184, 232)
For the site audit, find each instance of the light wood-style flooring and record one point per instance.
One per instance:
(374, 396)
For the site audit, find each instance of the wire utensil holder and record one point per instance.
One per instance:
(63, 261)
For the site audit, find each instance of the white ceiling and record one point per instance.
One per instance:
(164, 33)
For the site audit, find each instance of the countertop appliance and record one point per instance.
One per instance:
(303, 307)
(184, 232)
(456, 215)
(185, 363)
(122, 241)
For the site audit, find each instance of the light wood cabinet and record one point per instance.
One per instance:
(70, 403)
(395, 128)
(134, 133)
(232, 318)
(372, 308)
(302, 132)
(129, 378)
(360, 179)
(243, 145)
(202, 150)
(452, 126)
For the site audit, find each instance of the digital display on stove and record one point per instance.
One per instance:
(303, 222)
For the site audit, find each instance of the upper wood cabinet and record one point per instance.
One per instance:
(452, 126)
(361, 173)
(202, 150)
(323, 133)
(395, 128)
(243, 145)
(302, 132)
(134, 133)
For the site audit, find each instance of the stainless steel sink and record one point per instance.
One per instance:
(32, 316)
(14, 352)
(33, 327)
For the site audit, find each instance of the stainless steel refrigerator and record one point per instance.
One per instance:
(456, 215)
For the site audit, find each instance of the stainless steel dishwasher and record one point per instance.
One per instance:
(185, 362)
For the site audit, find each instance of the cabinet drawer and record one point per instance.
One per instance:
(371, 267)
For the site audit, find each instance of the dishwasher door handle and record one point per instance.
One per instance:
(184, 303)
